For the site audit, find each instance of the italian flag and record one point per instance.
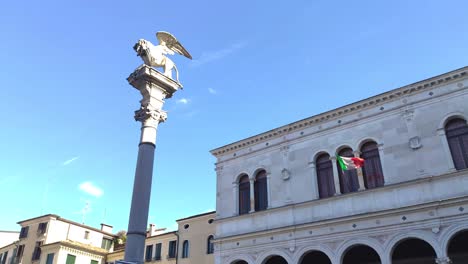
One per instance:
(349, 163)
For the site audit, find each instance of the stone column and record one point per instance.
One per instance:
(235, 197)
(269, 189)
(360, 175)
(314, 178)
(336, 179)
(252, 195)
(154, 87)
(382, 161)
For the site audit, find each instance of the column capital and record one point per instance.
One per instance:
(147, 113)
(357, 153)
(441, 131)
(311, 164)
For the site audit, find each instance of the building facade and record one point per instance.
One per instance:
(282, 198)
(196, 236)
(50, 239)
(192, 243)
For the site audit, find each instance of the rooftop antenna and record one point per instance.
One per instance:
(84, 212)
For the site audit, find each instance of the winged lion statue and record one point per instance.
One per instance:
(155, 56)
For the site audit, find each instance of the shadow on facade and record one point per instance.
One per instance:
(458, 248)
(315, 257)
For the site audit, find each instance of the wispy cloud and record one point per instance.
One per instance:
(212, 91)
(91, 189)
(67, 162)
(215, 55)
(183, 101)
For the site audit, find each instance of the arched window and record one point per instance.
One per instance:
(244, 195)
(185, 249)
(260, 188)
(457, 137)
(324, 167)
(348, 179)
(372, 169)
(209, 245)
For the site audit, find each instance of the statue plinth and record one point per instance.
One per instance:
(154, 87)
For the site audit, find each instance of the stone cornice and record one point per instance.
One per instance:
(345, 110)
(349, 219)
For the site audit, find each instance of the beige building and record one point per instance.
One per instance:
(50, 239)
(192, 243)
(282, 197)
(196, 235)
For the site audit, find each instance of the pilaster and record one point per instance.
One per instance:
(336, 178)
(360, 175)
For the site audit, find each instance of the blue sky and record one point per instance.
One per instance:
(67, 134)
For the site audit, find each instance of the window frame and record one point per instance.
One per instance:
(210, 245)
(456, 131)
(244, 194)
(148, 253)
(349, 181)
(325, 177)
(372, 163)
(261, 191)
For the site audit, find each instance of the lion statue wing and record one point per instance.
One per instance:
(172, 43)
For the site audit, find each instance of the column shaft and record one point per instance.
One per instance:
(359, 173)
(252, 196)
(336, 179)
(136, 235)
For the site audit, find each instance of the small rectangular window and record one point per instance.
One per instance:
(19, 253)
(24, 232)
(50, 258)
(106, 243)
(86, 234)
(41, 229)
(149, 253)
(157, 254)
(172, 249)
(94, 262)
(70, 259)
(37, 251)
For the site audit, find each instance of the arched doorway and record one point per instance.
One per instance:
(458, 248)
(275, 260)
(315, 257)
(361, 254)
(240, 262)
(413, 251)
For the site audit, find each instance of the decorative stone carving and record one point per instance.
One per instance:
(285, 174)
(408, 115)
(146, 112)
(155, 56)
(444, 260)
(415, 142)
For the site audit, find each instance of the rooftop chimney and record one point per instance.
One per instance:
(106, 228)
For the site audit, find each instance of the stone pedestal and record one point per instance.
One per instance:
(154, 87)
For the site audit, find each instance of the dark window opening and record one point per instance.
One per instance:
(372, 169)
(244, 195)
(325, 181)
(457, 136)
(260, 191)
(348, 179)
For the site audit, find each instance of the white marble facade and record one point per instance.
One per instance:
(424, 197)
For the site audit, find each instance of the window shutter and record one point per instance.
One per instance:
(325, 181)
